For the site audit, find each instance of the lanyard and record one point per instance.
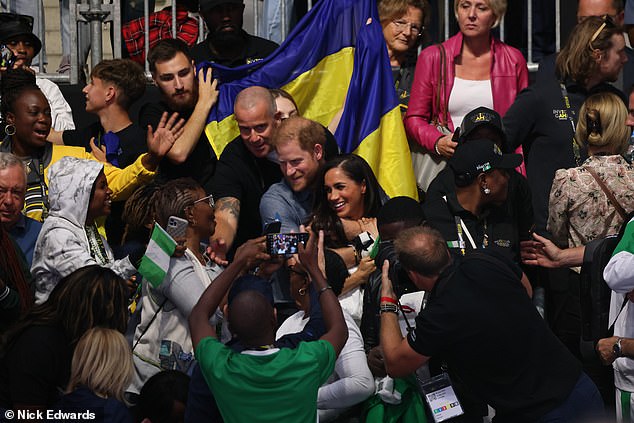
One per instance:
(570, 113)
(97, 249)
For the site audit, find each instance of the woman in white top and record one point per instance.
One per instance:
(162, 340)
(351, 382)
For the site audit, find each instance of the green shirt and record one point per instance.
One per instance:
(271, 386)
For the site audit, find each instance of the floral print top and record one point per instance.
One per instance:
(579, 210)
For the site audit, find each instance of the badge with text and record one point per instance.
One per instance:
(441, 398)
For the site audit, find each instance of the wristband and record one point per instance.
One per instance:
(357, 254)
(388, 300)
(388, 308)
(436, 146)
(322, 290)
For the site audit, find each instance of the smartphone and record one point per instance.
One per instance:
(176, 227)
(284, 244)
(7, 58)
(272, 227)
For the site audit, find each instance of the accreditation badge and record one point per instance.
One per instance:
(441, 398)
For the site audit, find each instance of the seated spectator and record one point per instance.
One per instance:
(24, 230)
(227, 43)
(99, 373)
(246, 169)
(162, 340)
(163, 398)
(351, 382)
(192, 97)
(476, 215)
(27, 115)
(346, 204)
(36, 360)
(133, 32)
(114, 86)
(16, 32)
(265, 383)
(69, 240)
(16, 294)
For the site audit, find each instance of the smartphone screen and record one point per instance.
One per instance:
(284, 244)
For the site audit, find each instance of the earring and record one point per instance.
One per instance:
(301, 291)
(486, 191)
(9, 129)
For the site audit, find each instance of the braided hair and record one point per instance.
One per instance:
(173, 198)
(13, 84)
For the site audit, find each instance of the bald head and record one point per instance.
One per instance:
(613, 8)
(256, 114)
(254, 97)
(423, 250)
(252, 319)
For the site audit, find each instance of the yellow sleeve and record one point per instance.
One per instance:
(124, 181)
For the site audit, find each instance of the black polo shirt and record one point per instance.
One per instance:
(481, 321)
(255, 49)
(201, 162)
(241, 175)
(499, 227)
(518, 204)
(538, 121)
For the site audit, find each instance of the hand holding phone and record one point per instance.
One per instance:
(284, 244)
(176, 227)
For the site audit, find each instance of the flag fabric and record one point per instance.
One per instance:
(333, 63)
(156, 261)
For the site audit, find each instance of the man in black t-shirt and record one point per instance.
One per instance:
(246, 169)
(227, 43)
(192, 97)
(481, 322)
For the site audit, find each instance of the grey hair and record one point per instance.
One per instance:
(8, 160)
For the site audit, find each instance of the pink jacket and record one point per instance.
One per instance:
(509, 75)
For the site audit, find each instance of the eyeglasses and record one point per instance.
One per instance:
(607, 22)
(401, 25)
(209, 199)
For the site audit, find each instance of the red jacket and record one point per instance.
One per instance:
(509, 75)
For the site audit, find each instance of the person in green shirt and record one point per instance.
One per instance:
(264, 383)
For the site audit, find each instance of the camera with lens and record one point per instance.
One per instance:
(7, 58)
(401, 283)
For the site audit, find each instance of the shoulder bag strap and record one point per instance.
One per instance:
(607, 192)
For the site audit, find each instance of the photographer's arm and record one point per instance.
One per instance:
(399, 357)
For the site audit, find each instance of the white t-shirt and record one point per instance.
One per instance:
(467, 95)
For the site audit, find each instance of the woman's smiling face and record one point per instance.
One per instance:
(31, 116)
(345, 195)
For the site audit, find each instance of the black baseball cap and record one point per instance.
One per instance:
(481, 116)
(210, 4)
(477, 156)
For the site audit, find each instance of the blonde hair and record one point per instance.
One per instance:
(102, 362)
(576, 60)
(498, 7)
(602, 123)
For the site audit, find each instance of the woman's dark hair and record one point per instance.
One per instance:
(89, 297)
(11, 265)
(139, 212)
(13, 84)
(324, 218)
(173, 198)
(158, 395)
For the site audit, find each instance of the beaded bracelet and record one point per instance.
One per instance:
(388, 308)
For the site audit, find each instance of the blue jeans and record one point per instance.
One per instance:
(583, 404)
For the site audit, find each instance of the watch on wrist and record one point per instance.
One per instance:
(616, 349)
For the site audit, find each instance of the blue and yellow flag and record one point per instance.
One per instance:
(334, 59)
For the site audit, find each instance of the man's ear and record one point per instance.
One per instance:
(318, 152)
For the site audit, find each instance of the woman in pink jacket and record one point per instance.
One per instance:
(479, 71)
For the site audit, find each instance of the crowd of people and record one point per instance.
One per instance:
(387, 309)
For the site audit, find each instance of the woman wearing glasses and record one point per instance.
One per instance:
(469, 70)
(403, 29)
(162, 340)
